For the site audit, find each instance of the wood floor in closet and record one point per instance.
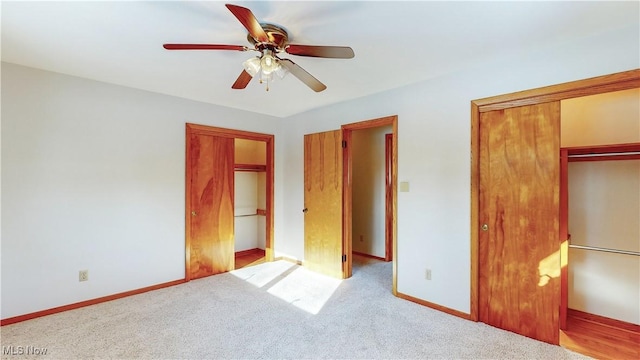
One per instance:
(249, 258)
(601, 338)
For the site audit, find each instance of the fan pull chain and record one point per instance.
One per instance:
(267, 81)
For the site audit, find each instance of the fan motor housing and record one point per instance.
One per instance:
(278, 37)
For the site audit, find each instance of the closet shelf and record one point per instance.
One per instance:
(250, 167)
(245, 215)
(258, 212)
(629, 151)
(603, 149)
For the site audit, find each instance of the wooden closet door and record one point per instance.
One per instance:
(210, 187)
(323, 245)
(519, 287)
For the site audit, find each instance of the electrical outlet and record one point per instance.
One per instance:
(427, 274)
(83, 275)
(361, 238)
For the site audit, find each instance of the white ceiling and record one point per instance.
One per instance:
(396, 43)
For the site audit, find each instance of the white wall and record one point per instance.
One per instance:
(609, 118)
(369, 201)
(245, 206)
(93, 178)
(262, 204)
(433, 154)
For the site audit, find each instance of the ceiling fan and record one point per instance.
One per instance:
(270, 40)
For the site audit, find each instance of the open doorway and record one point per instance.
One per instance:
(328, 200)
(371, 196)
(370, 177)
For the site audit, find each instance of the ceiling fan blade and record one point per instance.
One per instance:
(335, 52)
(242, 81)
(204, 47)
(249, 21)
(303, 75)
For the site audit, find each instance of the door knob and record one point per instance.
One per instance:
(305, 210)
(193, 213)
(485, 227)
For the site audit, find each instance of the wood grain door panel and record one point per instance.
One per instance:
(519, 257)
(323, 245)
(388, 191)
(211, 166)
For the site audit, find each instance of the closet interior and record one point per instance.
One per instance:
(600, 209)
(249, 202)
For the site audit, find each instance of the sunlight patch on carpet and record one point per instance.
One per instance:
(306, 290)
(262, 274)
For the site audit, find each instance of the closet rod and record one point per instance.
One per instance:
(615, 251)
(606, 154)
(246, 215)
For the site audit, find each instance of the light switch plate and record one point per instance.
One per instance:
(404, 186)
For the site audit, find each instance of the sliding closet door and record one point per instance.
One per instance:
(519, 258)
(323, 203)
(210, 187)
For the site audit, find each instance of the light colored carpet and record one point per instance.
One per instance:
(276, 311)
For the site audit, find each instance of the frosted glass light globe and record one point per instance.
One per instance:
(268, 64)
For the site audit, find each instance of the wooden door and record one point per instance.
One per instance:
(210, 166)
(388, 191)
(519, 257)
(323, 241)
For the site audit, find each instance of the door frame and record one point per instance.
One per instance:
(235, 134)
(592, 86)
(347, 193)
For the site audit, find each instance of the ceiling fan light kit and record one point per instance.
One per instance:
(265, 67)
(270, 40)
